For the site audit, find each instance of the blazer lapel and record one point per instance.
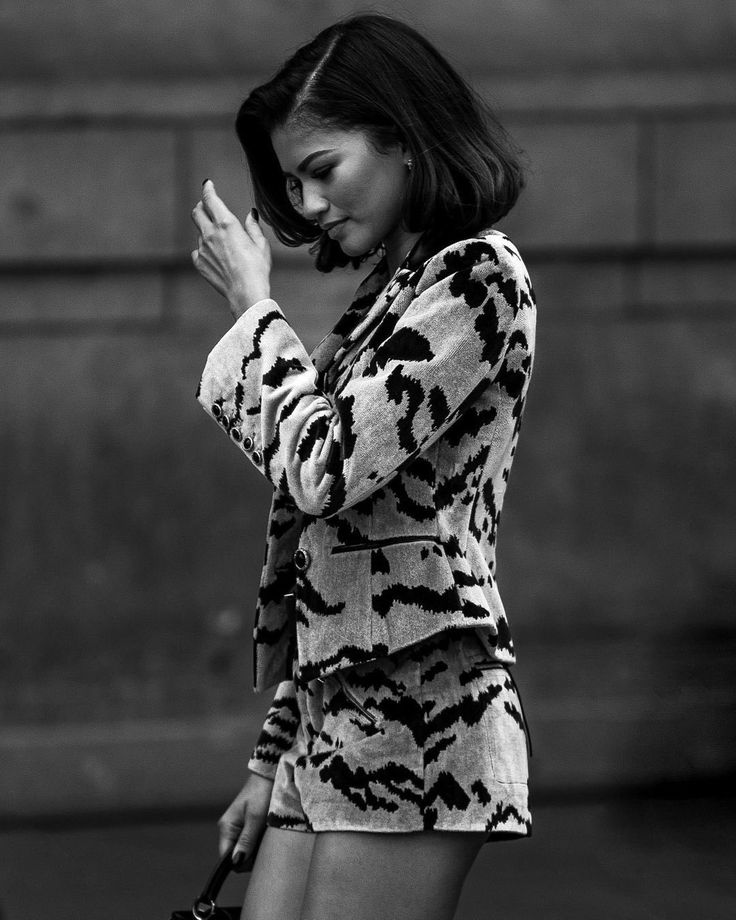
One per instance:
(372, 298)
(351, 322)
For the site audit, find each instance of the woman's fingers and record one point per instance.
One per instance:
(211, 210)
(230, 829)
(200, 218)
(214, 207)
(249, 839)
(253, 226)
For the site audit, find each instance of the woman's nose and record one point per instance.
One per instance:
(313, 204)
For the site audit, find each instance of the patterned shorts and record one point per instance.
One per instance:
(429, 738)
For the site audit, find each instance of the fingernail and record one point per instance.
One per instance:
(254, 213)
(206, 181)
(237, 858)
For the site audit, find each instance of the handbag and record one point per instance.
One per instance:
(205, 906)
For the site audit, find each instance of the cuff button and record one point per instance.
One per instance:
(256, 455)
(248, 442)
(236, 434)
(216, 410)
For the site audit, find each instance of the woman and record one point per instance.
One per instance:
(395, 745)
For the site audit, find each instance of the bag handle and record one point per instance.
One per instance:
(204, 907)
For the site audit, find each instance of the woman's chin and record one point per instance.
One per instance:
(356, 248)
(350, 251)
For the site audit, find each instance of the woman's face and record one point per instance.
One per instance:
(336, 175)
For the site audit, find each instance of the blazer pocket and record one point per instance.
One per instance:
(384, 541)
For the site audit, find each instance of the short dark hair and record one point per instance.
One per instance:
(377, 74)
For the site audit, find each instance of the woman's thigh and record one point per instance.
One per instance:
(279, 877)
(376, 876)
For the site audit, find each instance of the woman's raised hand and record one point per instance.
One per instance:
(234, 258)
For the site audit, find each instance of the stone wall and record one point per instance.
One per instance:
(132, 533)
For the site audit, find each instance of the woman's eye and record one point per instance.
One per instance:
(294, 193)
(323, 172)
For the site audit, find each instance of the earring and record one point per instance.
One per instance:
(410, 163)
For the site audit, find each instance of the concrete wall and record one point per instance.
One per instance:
(203, 38)
(132, 533)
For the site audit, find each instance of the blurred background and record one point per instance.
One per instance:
(132, 533)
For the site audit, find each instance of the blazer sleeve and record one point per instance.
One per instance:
(329, 451)
(278, 732)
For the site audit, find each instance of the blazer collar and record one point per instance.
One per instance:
(372, 298)
(346, 325)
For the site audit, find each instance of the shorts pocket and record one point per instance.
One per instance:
(353, 701)
(505, 726)
(479, 659)
(347, 717)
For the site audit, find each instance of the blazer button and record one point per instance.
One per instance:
(256, 455)
(301, 559)
(248, 442)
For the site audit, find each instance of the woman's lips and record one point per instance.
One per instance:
(336, 227)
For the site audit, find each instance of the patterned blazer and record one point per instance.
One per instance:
(389, 450)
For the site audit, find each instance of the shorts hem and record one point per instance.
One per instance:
(500, 833)
(319, 826)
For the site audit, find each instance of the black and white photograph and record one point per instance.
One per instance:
(367, 460)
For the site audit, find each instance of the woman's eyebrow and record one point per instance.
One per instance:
(308, 159)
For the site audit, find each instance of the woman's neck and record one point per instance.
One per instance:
(397, 247)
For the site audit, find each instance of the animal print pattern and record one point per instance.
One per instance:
(389, 461)
(429, 738)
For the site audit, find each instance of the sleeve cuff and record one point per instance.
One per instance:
(267, 771)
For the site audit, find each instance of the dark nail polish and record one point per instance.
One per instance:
(254, 212)
(238, 858)
(205, 182)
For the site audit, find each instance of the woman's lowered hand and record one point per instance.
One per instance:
(244, 821)
(234, 258)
